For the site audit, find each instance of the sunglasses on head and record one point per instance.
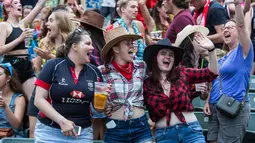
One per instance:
(77, 31)
(7, 66)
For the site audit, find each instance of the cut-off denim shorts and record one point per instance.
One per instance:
(47, 134)
(180, 133)
(130, 131)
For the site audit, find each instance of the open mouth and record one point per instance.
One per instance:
(131, 51)
(227, 35)
(166, 63)
(19, 9)
(89, 53)
(49, 30)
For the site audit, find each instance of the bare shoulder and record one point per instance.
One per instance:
(20, 100)
(5, 27)
(138, 23)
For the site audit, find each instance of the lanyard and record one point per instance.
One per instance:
(204, 14)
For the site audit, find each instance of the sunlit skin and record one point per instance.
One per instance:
(131, 10)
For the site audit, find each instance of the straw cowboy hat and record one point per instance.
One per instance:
(114, 36)
(152, 50)
(92, 18)
(189, 30)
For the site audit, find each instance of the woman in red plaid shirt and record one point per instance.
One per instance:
(167, 90)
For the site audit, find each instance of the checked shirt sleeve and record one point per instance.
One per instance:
(199, 75)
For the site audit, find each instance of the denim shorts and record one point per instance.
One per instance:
(129, 131)
(180, 133)
(47, 134)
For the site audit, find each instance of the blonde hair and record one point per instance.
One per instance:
(64, 22)
(122, 4)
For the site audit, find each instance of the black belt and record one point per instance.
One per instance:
(48, 122)
(51, 123)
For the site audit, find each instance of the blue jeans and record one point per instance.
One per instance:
(47, 134)
(130, 131)
(180, 133)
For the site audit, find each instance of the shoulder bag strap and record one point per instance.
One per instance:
(247, 90)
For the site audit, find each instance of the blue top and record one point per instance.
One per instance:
(4, 123)
(235, 74)
(69, 94)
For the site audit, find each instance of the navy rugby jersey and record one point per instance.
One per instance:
(69, 95)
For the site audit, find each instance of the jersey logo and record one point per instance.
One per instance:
(90, 85)
(63, 82)
(77, 94)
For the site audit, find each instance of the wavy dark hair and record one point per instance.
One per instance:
(156, 17)
(96, 34)
(188, 51)
(155, 75)
(14, 83)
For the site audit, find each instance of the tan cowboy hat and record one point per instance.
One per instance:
(189, 30)
(92, 18)
(114, 36)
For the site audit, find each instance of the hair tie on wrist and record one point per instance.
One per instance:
(211, 50)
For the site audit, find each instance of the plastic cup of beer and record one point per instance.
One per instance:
(199, 84)
(100, 96)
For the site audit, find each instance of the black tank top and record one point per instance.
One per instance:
(16, 32)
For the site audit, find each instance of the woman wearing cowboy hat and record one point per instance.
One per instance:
(128, 9)
(126, 120)
(93, 22)
(166, 91)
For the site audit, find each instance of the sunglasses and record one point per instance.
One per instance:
(7, 66)
(28, 7)
(78, 31)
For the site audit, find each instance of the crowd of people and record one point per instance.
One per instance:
(155, 56)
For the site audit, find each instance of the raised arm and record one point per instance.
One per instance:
(248, 21)
(243, 35)
(36, 10)
(247, 5)
(149, 21)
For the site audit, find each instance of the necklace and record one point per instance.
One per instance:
(166, 86)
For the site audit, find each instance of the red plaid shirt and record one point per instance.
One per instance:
(160, 105)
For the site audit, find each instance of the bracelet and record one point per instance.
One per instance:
(211, 50)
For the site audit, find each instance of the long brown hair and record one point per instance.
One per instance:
(156, 17)
(155, 75)
(14, 83)
(6, 4)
